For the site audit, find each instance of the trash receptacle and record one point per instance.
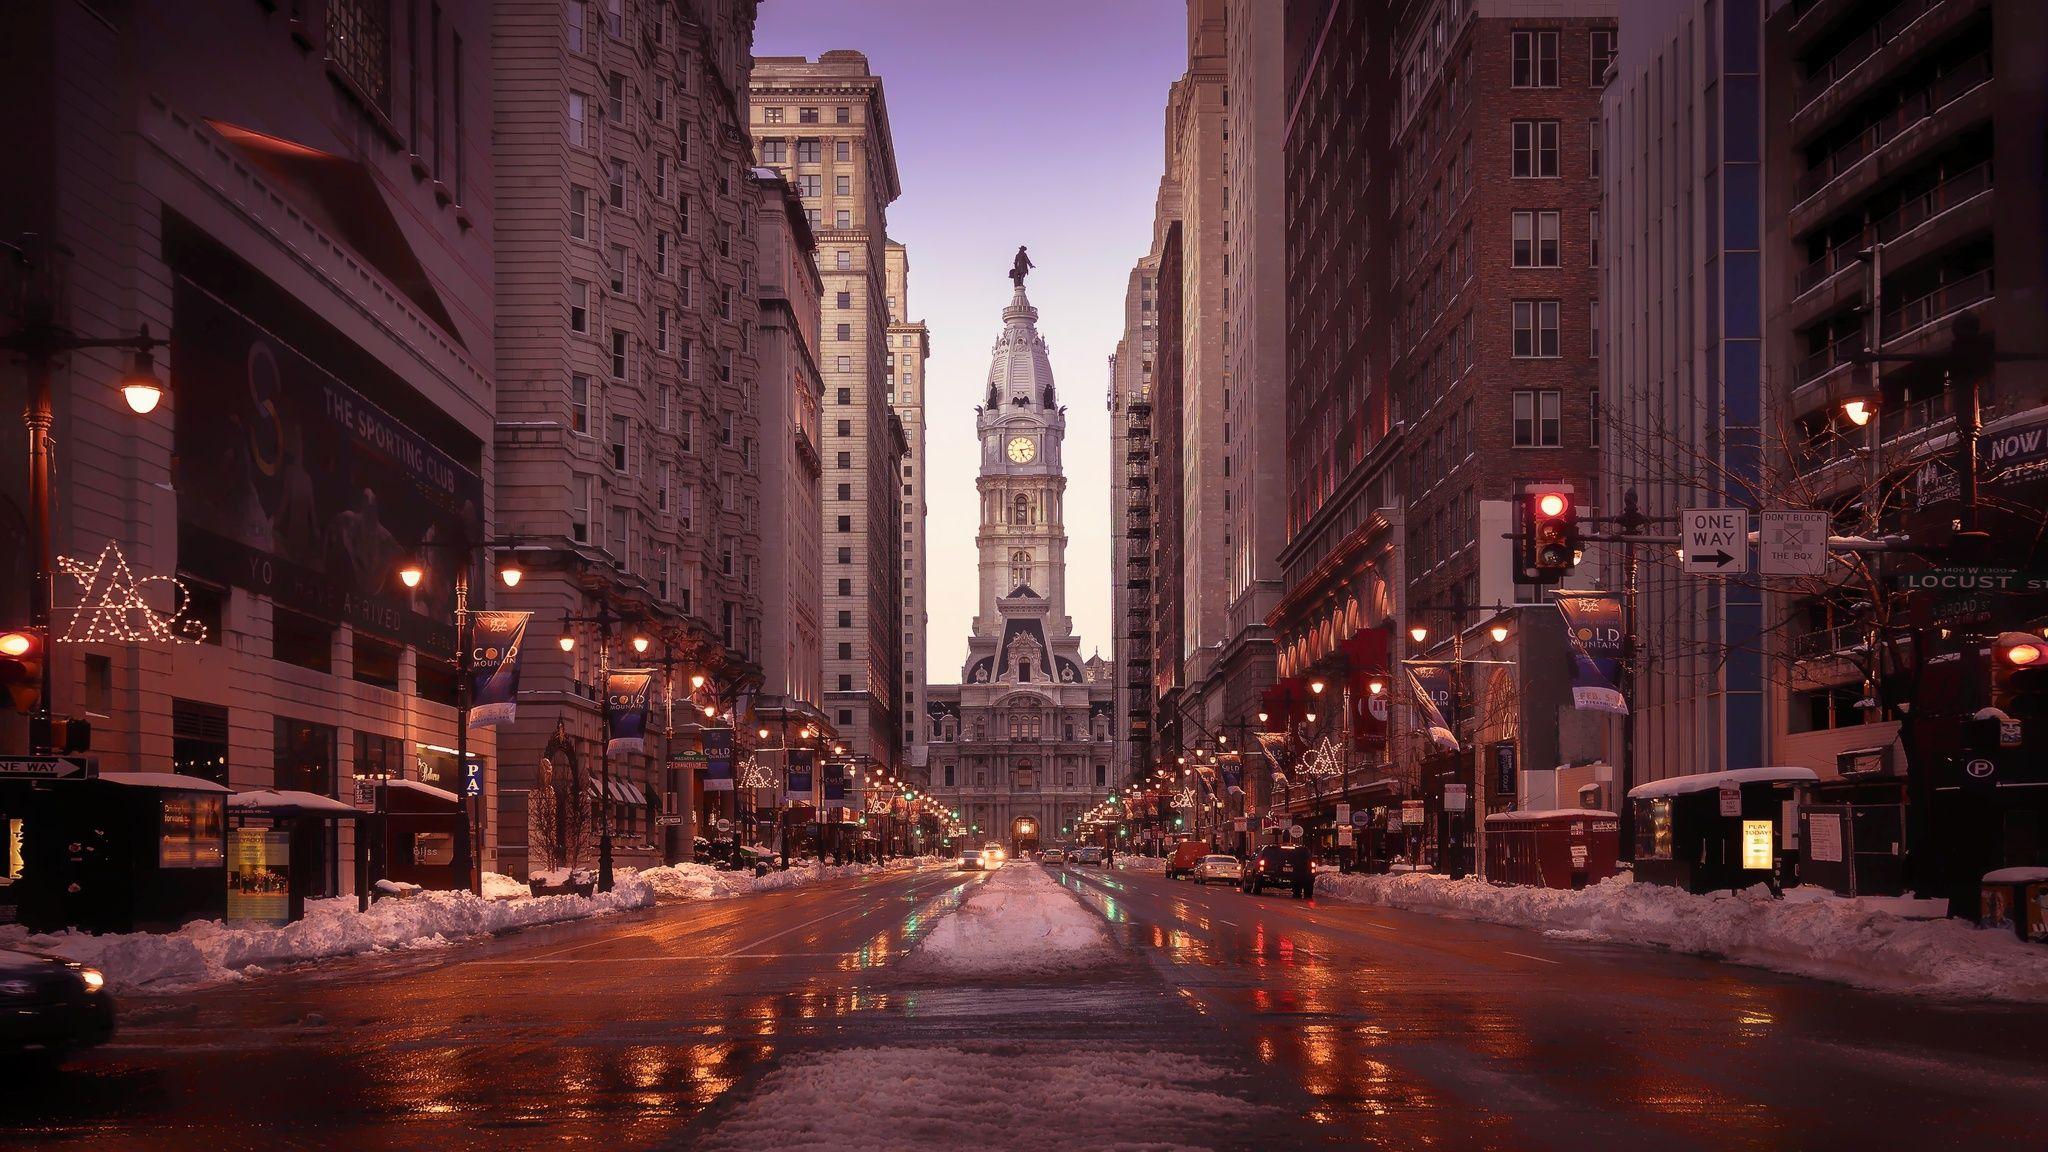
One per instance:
(2015, 899)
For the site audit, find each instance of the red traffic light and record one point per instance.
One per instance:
(21, 669)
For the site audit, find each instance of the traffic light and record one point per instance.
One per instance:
(2019, 675)
(21, 668)
(1550, 541)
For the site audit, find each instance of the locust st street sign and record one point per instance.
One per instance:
(1792, 543)
(1715, 541)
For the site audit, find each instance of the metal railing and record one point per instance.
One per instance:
(1863, 47)
(1912, 109)
(1925, 309)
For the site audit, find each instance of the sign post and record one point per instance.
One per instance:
(1716, 541)
(1792, 543)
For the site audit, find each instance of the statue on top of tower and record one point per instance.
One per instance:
(1020, 267)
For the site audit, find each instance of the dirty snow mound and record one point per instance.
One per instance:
(1017, 921)
(1872, 942)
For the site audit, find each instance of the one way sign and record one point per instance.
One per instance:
(1715, 540)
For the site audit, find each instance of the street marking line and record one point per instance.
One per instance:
(1526, 956)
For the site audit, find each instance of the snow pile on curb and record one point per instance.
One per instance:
(1871, 942)
(210, 952)
(703, 882)
(943, 1099)
(1018, 921)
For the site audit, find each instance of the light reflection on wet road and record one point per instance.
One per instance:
(1381, 1029)
(1415, 1031)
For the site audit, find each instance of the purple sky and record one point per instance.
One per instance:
(1035, 123)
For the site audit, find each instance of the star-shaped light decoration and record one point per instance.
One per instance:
(754, 774)
(114, 608)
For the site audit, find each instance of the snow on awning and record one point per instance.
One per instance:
(305, 803)
(424, 789)
(1552, 814)
(168, 781)
(1708, 781)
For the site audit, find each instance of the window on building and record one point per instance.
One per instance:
(1535, 328)
(1538, 418)
(1534, 60)
(579, 306)
(579, 115)
(579, 213)
(1534, 148)
(579, 403)
(1602, 55)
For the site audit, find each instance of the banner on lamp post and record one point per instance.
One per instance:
(495, 640)
(799, 785)
(1592, 622)
(627, 694)
(717, 744)
(1431, 687)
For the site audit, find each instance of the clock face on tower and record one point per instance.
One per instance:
(1023, 449)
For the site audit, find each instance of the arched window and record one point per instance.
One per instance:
(1020, 510)
(1020, 568)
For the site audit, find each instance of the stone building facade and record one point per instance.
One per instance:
(310, 226)
(631, 425)
(1022, 745)
(824, 125)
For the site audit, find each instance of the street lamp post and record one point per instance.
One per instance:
(469, 860)
(40, 342)
(603, 620)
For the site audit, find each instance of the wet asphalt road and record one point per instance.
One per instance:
(1352, 1026)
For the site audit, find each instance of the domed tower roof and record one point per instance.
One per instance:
(1020, 374)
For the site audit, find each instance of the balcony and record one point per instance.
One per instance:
(1938, 304)
(1863, 47)
(1914, 108)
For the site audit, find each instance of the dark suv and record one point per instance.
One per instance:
(1281, 867)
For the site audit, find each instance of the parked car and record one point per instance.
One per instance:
(973, 860)
(1216, 866)
(1088, 855)
(1054, 856)
(50, 1006)
(1186, 855)
(1281, 867)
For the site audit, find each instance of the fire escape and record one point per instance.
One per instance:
(1137, 669)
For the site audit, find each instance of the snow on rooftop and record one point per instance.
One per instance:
(1708, 781)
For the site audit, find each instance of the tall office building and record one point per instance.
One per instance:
(1681, 366)
(303, 208)
(629, 420)
(1130, 518)
(792, 398)
(909, 347)
(824, 126)
(1341, 561)
(1903, 201)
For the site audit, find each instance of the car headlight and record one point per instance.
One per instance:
(94, 979)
